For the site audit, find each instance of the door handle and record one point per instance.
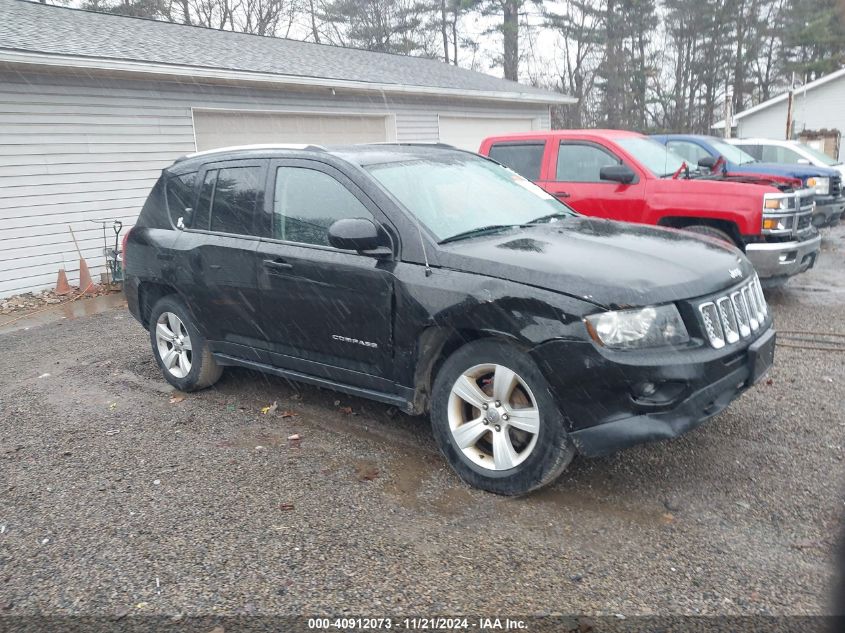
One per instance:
(561, 194)
(277, 264)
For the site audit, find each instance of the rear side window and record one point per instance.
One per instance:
(237, 194)
(307, 202)
(202, 214)
(525, 159)
(582, 163)
(180, 195)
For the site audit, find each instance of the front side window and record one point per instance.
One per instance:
(732, 153)
(524, 159)
(582, 163)
(654, 156)
(691, 152)
(307, 202)
(237, 194)
(779, 154)
(455, 193)
(820, 157)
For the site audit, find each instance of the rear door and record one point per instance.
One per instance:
(326, 312)
(218, 251)
(524, 157)
(574, 178)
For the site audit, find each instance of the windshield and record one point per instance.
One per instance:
(458, 193)
(656, 157)
(823, 158)
(732, 153)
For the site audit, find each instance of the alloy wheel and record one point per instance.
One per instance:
(174, 344)
(493, 417)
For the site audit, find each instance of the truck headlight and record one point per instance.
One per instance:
(776, 202)
(821, 185)
(652, 326)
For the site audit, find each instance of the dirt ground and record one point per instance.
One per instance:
(119, 496)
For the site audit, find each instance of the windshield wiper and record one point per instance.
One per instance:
(479, 231)
(547, 218)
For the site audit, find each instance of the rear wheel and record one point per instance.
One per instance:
(180, 349)
(703, 229)
(495, 420)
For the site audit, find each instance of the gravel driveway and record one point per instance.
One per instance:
(119, 496)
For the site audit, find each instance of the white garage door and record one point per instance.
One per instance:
(468, 132)
(214, 128)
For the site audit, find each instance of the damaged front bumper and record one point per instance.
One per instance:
(611, 406)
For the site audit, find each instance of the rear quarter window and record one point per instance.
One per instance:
(524, 158)
(180, 193)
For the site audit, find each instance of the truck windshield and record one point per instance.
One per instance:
(654, 156)
(732, 153)
(459, 194)
(823, 158)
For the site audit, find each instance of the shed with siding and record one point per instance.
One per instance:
(819, 105)
(93, 106)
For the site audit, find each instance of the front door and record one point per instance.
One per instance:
(575, 179)
(325, 311)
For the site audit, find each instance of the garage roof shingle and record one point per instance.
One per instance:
(49, 30)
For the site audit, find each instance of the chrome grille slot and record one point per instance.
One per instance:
(835, 186)
(734, 316)
(711, 324)
(751, 307)
(728, 317)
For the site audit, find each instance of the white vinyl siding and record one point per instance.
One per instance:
(822, 107)
(80, 148)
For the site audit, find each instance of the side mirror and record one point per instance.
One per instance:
(708, 162)
(803, 161)
(618, 173)
(356, 234)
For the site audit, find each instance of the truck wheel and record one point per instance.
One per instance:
(494, 419)
(703, 229)
(180, 349)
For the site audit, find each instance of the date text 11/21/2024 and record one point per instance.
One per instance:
(419, 624)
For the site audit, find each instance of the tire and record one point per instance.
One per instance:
(703, 229)
(537, 458)
(185, 359)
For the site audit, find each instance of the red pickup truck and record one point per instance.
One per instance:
(627, 176)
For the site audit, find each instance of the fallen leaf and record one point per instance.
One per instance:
(289, 414)
(668, 518)
(285, 506)
(346, 410)
(270, 409)
(176, 398)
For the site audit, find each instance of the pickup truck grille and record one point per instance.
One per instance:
(735, 315)
(836, 186)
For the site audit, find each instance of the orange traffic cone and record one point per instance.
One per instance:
(62, 286)
(86, 284)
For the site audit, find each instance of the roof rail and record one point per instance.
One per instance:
(307, 147)
(414, 144)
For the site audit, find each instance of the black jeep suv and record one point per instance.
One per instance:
(439, 281)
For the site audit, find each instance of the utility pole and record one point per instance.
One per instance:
(789, 100)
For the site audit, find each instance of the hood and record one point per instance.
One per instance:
(611, 264)
(779, 169)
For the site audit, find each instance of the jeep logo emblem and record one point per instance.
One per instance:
(735, 273)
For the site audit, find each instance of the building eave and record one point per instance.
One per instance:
(783, 97)
(143, 69)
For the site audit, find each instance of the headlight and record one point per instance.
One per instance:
(645, 327)
(776, 203)
(821, 185)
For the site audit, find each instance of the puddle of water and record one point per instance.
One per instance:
(70, 310)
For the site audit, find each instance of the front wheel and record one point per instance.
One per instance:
(495, 420)
(180, 349)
